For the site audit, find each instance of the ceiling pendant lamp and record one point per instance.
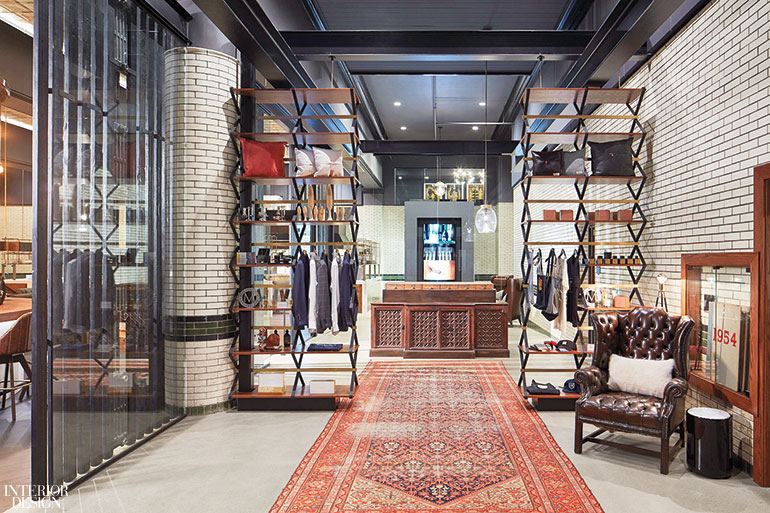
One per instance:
(486, 218)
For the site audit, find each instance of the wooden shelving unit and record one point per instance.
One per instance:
(243, 350)
(584, 227)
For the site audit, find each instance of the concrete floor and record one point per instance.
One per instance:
(238, 461)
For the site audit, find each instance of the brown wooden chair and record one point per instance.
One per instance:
(13, 344)
(648, 333)
(511, 288)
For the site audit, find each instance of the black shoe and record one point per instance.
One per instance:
(542, 389)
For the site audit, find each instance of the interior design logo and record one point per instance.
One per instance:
(25, 495)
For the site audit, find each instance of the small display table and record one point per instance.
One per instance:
(709, 442)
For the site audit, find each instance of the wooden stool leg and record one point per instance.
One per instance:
(5, 385)
(13, 393)
(28, 372)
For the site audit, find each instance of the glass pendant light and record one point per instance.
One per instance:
(440, 189)
(486, 218)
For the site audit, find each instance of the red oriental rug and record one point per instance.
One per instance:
(436, 437)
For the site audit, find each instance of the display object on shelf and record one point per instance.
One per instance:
(614, 161)
(312, 173)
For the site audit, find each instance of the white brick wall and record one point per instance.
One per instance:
(200, 242)
(706, 112)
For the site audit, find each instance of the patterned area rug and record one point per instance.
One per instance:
(436, 437)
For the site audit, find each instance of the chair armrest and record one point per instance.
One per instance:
(592, 381)
(675, 389)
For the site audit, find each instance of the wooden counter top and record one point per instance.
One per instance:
(13, 308)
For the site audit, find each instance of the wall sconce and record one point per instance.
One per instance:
(662, 279)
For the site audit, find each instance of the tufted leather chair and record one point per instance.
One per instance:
(648, 333)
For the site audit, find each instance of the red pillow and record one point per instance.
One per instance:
(263, 159)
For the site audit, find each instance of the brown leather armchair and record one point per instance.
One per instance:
(648, 333)
(511, 288)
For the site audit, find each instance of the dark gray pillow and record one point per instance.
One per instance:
(613, 158)
(574, 163)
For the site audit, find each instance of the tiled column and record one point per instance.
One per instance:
(198, 327)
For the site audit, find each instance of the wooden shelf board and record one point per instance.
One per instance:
(557, 352)
(540, 369)
(561, 395)
(585, 243)
(582, 221)
(289, 223)
(614, 265)
(596, 95)
(286, 244)
(308, 95)
(630, 286)
(270, 286)
(299, 350)
(263, 309)
(303, 392)
(592, 179)
(312, 180)
(578, 138)
(291, 370)
(608, 309)
(301, 137)
(263, 265)
(579, 116)
(585, 202)
(273, 327)
(305, 116)
(301, 202)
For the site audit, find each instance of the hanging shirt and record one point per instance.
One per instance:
(561, 321)
(312, 314)
(335, 290)
(573, 291)
(299, 293)
(348, 300)
(323, 295)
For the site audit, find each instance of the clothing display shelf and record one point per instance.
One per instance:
(585, 228)
(294, 109)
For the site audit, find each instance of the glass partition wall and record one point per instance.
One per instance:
(104, 233)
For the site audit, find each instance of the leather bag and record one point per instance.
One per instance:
(613, 158)
(546, 163)
(574, 163)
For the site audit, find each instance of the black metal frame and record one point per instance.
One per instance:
(583, 227)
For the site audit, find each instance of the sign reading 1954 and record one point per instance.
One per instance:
(725, 337)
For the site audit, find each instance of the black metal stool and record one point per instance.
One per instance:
(710, 442)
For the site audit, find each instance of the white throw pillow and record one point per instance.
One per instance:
(644, 377)
(499, 295)
(328, 162)
(305, 162)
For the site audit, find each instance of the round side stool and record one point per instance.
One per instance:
(709, 442)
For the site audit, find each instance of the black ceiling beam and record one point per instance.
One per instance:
(482, 45)
(247, 26)
(437, 148)
(448, 72)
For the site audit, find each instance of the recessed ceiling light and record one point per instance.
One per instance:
(396, 104)
(400, 177)
(403, 128)
(474, 128)
(481, 104)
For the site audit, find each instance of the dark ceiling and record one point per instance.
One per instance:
(457, 95)
(441, 14)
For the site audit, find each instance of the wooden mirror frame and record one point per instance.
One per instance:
(691, 274)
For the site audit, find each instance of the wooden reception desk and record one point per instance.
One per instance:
(439, 320)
